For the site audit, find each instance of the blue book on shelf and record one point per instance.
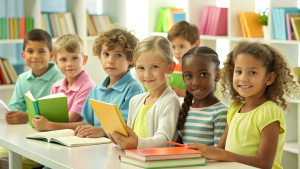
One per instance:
(283, 13)
(58, 6)
(179, 17)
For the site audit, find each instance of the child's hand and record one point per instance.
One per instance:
(110, 137)
(179, 92)
(207, 151)
(88, 131)
(16, 117)
(40, 123)
(125, 143)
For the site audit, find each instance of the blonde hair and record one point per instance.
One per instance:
(273, 61)
(115, 36)
(70, 42)
(156, 45)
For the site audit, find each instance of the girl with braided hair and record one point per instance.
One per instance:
(202, 118)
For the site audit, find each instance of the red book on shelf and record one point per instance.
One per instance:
(163, 153)
(22, 27)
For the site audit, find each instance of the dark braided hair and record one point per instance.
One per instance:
(206, 53)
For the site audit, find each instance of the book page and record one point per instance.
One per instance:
(74, 141)
(53, 96)
(3, 109)
(30, 96)
(52, 134)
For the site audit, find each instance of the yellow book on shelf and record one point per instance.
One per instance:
(252, 26)
(110, 117)
(295, 21)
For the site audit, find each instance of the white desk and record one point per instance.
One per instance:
(105, 156)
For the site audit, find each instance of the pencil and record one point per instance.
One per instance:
(177, 144)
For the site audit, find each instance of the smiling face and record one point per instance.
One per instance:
(199, 75)
(114, 62)
(70, 63)
(250, 78)
(180, 46)
(152, 71)
(37, 57)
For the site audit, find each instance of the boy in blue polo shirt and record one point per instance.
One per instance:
(114, 49)
(37, 52)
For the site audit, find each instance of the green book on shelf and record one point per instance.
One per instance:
(54, 107)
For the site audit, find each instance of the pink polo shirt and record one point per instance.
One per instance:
(78, 92)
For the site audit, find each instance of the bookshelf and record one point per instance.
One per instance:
(224, 44)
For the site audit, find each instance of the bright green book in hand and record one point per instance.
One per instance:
(54, 107)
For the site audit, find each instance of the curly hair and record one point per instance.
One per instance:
(183, 29)
(273, 60)
(208, 54)
(114, 36)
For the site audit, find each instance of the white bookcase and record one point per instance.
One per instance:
(141, 16)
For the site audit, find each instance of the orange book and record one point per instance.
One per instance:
(243, 25)
(252, 26)
(171, 12)
(22, 27)
(163, 153)
(109, 116)
(11, 28)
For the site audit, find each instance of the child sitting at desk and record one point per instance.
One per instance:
(76, 85)
(153, 115)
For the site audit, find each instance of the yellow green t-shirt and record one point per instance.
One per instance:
(245, 129)
(140, 122)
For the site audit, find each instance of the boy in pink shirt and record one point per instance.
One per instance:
(76, 85)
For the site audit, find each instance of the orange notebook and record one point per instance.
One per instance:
(163, 153)
(110, 117)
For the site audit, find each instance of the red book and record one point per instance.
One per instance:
(22, 27)
(163, 153)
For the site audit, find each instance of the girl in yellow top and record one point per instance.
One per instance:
(256, 76)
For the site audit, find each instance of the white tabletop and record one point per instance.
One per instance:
(105, 156)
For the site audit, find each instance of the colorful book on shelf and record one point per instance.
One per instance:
(4, 75)
(22, 27)
(290, 31)
(70, 22)
(219, 22)
(251, 24)
(11, 72)
(54, 107)
(109, 117)
(163, 153)
(296, 26)
(170, 17)
(282, 20)
(66, 137)
(163, 163)
(204, 19)
(178, 16)
(92, 31)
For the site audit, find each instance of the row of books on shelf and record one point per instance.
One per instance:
(57, 24)
(97, 23)
(15, 28)
(214, 21)
(164, 157)
(8, 74)
(167, 17)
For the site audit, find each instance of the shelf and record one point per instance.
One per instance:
(291, 147)
(7, 86)
(11, 41)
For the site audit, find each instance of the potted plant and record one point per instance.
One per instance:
(263, 19)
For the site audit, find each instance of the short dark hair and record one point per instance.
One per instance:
(38, 35)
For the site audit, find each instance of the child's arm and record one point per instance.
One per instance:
(73, 117)
(265, 155)
(222, 141)
(41, 123)
(179, 92)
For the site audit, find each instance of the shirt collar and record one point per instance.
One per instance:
(47, 75)
(120, 85)
(82, 79)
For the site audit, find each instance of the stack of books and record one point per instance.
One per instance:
(167, 17)
(8, 74)
(164, 157)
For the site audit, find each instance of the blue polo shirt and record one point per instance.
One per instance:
(38, 86)
(119, 94)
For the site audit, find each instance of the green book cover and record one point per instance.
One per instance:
(3, 28)
(54, 107)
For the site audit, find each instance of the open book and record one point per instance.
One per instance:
(54, 107)
(3, 109)
(110, 117)
(66, 137)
